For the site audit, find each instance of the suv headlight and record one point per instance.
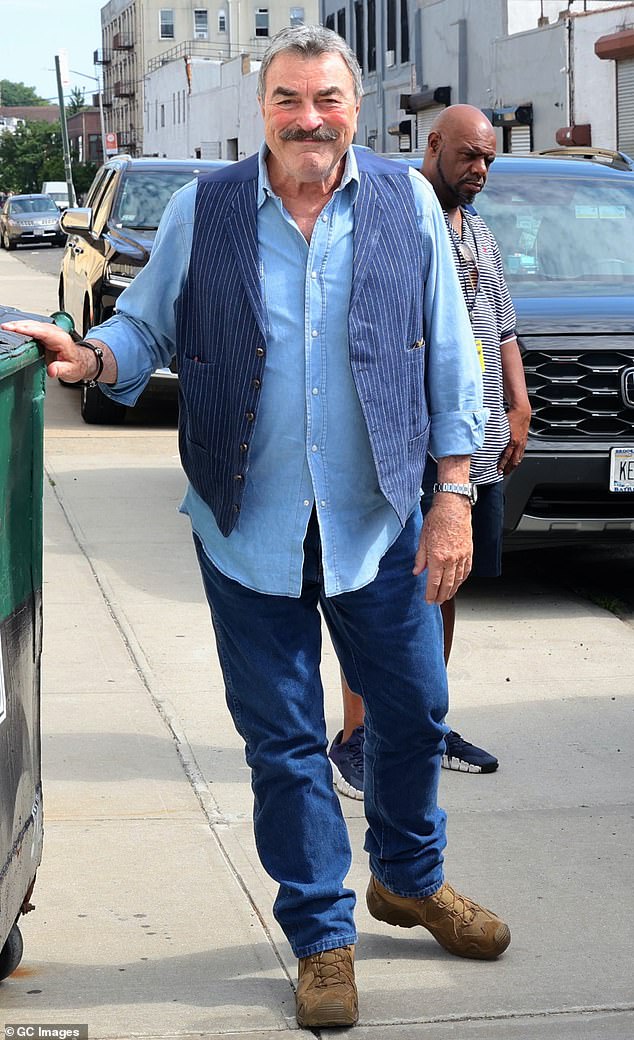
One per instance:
(120, 274)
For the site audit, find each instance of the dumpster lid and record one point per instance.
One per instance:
(10, 340)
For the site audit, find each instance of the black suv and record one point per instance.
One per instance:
(109, 241)
(563, 225)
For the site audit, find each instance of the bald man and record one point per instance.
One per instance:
(460, 149)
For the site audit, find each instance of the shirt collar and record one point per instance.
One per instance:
(350, 176)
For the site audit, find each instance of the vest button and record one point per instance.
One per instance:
(259, 351)
(238, 477)
(244, 447)
(249, 416)
(236, 508)
(256, 384)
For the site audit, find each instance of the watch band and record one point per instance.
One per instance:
(468, 490)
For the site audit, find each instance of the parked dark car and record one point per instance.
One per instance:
(109, 241)
(564, 230)
(28, 220)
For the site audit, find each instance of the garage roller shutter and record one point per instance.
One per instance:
(625, 105)
(424, 120)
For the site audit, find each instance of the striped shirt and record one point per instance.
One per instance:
(493, 321)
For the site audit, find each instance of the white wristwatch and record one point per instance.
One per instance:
(470, 491)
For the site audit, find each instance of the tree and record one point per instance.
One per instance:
(30, 156)
(19, 94)
(77, 102)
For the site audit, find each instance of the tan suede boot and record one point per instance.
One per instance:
(457, 923)
(326, 990)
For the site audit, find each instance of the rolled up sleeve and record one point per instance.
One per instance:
(453, 374)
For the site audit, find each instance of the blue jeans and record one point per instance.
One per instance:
(389, 643)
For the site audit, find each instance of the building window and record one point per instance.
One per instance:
(261, 21)
(330, 22)
(404, 32)
(341, 22)
(94, 147)
(162, 115)
(297, 16)
(371, 36)
(359, 35)
(201, 24)
(166, 23)
(222, 21)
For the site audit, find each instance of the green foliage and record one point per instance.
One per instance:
(19, 94)
(31, 155)
(34, 154)
(77, 102)
(83, 176)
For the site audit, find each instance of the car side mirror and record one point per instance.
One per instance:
(77, 220)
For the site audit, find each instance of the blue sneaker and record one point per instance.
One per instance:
(466, 757)
(347, 763)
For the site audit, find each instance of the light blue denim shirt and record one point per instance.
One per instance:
(311, 446)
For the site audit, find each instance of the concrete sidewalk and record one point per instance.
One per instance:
(153, 915)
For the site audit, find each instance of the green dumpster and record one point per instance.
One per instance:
(22, 377)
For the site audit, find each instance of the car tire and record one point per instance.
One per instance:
(11, 953)
(99, 410)
(7, 243)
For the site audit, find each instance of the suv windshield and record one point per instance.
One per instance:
(144, 196)
(562, 236)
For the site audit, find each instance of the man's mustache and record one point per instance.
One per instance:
(323, 133)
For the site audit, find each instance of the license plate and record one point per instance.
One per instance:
(622, 469)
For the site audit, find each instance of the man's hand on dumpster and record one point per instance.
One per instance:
(66, 359)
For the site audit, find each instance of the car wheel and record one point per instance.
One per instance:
(6, 242)
(97, 409)
(11, 953)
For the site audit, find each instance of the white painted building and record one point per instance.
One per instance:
(219, 119)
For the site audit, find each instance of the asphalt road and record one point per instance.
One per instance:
(600, 571)
(44, 258)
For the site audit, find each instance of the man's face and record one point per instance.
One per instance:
(310, 114)
(462, 164)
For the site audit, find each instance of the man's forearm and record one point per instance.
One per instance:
(109, 371)
(454, 469)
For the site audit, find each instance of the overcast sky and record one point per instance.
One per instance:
(34, 31)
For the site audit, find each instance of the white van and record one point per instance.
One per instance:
(58, 190)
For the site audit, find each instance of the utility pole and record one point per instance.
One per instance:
(65, 143)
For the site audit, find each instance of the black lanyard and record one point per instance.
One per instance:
(468, 273)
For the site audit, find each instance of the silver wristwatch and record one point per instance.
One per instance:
(470, 491)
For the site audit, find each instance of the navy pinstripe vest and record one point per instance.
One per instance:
(222, 347)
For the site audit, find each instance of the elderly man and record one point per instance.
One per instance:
(322, 341)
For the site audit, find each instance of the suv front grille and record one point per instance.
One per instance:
(577, 395)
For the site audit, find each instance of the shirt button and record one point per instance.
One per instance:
(325, 220)
(315, 391)
(323, 502)
(313, 274)
(314, 448)
(259, 351)
(314, 333)
(306, 502)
